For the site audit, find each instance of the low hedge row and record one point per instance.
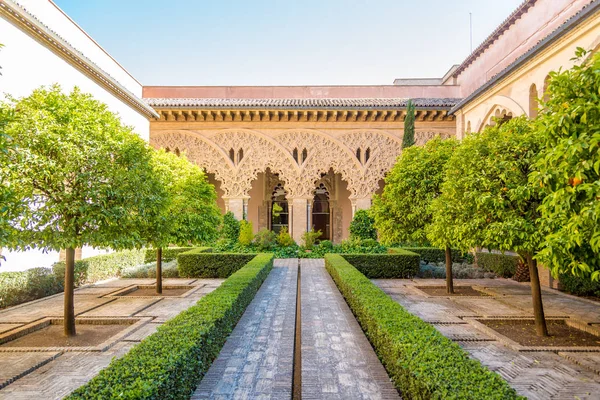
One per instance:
(431, 254)
(503, 265)
(579, 286)
(168, 253)
(32, 284)
(197, 263)
(104, 266)
(170, 363)
(422, 362)
(401, 264)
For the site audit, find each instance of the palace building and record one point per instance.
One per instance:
(303, 156)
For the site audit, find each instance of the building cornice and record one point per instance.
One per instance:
(286, 115)
(29, 24)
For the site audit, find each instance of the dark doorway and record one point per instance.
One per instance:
(321, 213)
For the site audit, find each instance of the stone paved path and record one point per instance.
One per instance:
(338, 361)
(257, 359)
(536, 375)
(55, 374)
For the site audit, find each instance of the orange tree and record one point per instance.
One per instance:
(9, 202)
(402, 212)
(190, 215)
(84, 178)
(488, 201)
(568, 169)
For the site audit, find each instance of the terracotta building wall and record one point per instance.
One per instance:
(535, 24)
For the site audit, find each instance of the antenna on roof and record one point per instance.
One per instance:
(471, 32)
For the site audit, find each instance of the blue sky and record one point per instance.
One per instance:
(277, 42)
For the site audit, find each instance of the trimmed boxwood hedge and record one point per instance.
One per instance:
(422, 363)
(170, 363)
(431, 254)
(401, 264)
(504, 265)
(170, 253)
(20, 287)
(197, 263)
(103, 266)
(583, 286)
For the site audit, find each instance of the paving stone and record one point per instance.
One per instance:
(536, 375)
(52, 307)
(121, 307)
(257, 359)
(167, 308)
(338, 361)
(8, 327)
(142, 333)
(16, 365)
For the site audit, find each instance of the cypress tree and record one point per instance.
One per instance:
(409, 125)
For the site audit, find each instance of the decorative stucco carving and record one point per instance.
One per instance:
(219, 153)
(422, 137)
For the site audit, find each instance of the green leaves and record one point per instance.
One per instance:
(189, 213)
(403, 211)
(362, 226)
(487, 200)
(82, 177)
(568, 170)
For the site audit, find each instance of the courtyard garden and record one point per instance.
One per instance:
(434, 294)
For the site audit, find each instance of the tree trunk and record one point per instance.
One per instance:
(449, 281)
(69, 317)
(159, 270)
(536, 296)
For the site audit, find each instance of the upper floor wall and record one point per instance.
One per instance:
(43, 46)
(531, 22)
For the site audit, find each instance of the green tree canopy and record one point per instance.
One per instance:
(569, 169)
(403, 211)
(84, 177)
(408, 138)
(10, 204)
(362, 225)
(190, 214)
(487, 199)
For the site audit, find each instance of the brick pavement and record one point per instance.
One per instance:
(257, 359)
(53, 375)
(338, 361)
(536, 375)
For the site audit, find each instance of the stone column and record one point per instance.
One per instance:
(363, 203)
(299, 218)
(237, 206)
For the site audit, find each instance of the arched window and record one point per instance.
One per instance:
(358, 154)
(533, 101)
(304, 155)
(321, 213)
(232, 155)
(367, 154)
(546, 96)
(295, 154)
(240, 155)
(168, 150)
(177, 151)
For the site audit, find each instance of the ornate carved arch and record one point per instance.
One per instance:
(502, 106)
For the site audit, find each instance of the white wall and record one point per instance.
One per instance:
(27, 64)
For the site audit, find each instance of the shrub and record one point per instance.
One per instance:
(169, 270)
(309, 238)
(354, 245)
(198, 263)
(168, 253)
(326, 244)
(432, 254)
(284, 238)
(403, 264)
(170, 363)
(265, 240)
(246, 236)
(503, 265)
(422, 363)
(32, 284)
(230, 229)
(362, 226)
(583, 286)
(104, 266)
